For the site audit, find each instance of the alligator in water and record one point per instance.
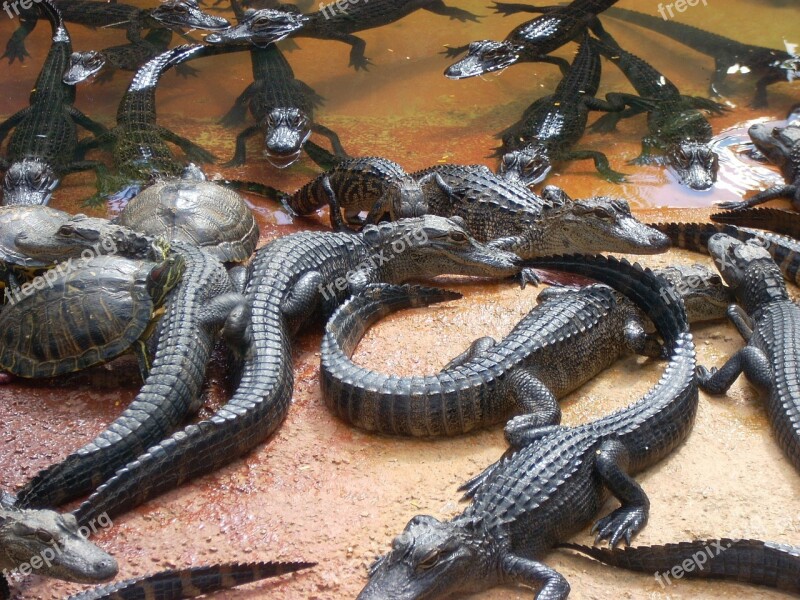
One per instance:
(677, 125)
(730, 56)
(171, 14)
(566, 340)
(552, 125)
(291, 279)
(532, 41)
(44, 141)
(554, 479)
(781, 145)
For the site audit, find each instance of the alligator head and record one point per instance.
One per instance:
(287, 129)
(777, 143)
(705, 296)
(83, 65)
(529, 165)
(259, 28)
(29, 181)
(186, 14)
(431, 559)
(428, 246)
(405, 199)
(50, 544)
(694, 163)
(598, 224)
(749, 270)
(484, 56)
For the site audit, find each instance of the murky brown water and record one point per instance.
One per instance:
(320, 490)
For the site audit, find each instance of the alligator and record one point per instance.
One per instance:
(282, 105)
(526, 166)
(42, 147)
(552, 125)
(776, 220)
(769, 321)
(171, 14)
(197, 308)
(531, 41)
(566, 340)
(177, 584)
(49, 543)
(695, 236)
(781, 145)
(677, 125)
(554, 479)
(291, 279)
(730, 56)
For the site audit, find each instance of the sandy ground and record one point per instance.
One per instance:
(320, 490)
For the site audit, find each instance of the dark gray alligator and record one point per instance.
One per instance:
(196, 310)
(291, 279)
(565, 341)
(776, 220)
(781, 145)
(49, 544)
(42, 147)
(769, 321)
(555, 479)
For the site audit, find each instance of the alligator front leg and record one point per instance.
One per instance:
(15, 48)
(780, 191)
(357, 58)
(240, 154)
(700, 103)
(641, 343)
(336, 144)
(88, 124)
(455, 51)
(749, 360)
(334, 208)
(611, 464)
(238, 112)
(741, 320)
(512, 8)
(600, 163)
(618, 102)
(760, 97)
(608, 123)
(438, 7)
(646, 157)
(537, 403)
(550, 583)
(193, 151)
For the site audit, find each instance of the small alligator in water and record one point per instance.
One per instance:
(677, 125)
(781, 145)
(769, 321)
(291, 279)
(43, 145)
(730, 56)
(566, 340)
(555, 479)
(530, 42)
(282, 105)
(171, 14)
(552, 125)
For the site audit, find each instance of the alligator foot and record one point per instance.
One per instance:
(623, 523)
(511, 8)
(455, 52)
(528, 276)
(440, 8)
(781, 191)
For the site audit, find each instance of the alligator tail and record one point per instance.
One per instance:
(191, 582)
(784, 222)
(747, 561)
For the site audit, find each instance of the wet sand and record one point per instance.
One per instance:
(321, 490)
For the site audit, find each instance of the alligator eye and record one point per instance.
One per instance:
(458, 237)
(603, 212)
(44, 536)
(429, 561)
(715, 280)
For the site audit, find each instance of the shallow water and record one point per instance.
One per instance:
(320, 490)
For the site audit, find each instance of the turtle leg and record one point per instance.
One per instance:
(143, 357)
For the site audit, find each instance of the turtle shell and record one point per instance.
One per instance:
(87, 314)
(200, 213)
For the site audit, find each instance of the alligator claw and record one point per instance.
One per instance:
(528, 275)
(361, 63)
(733, 205)
(15, 51)
(704, 374)
(623, 523)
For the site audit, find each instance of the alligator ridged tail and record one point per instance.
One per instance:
(746, 561)
(784, 222)
(191, 582)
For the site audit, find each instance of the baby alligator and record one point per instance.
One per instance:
(730, 56)
(42, 147)
(781, 145)
(530, 42)
(676, 124)
(555, 479)
(769, 321)
(565, 341)
(290, 280)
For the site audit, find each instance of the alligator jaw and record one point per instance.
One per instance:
(485, 56)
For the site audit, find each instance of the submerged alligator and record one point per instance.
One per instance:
(555, 479)
(565, 341)
(531, 41)
(42, 148)
(677, 127)
(730, 56)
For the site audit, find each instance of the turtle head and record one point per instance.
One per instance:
(165, 276)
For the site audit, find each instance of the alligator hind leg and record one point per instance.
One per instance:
(334, 207)
(240, 154)
(12, 122)
(86, 122)
(232, 312)
(193, 151)
(611, 464)
(15, 48)
(438, 7)
(238, 112)
(741, 320)
(477, 348)
(773, 193)
(600, 163)
(551, 584)
(538, 405)
(357, 59)
(749, 360)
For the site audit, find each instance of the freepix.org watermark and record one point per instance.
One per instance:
(679, 6)
(15, 6)
(330, 10)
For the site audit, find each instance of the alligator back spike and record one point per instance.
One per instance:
(191, 582)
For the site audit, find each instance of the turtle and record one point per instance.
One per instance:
(85, 312)
(196, 211)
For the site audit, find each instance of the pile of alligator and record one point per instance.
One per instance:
(180, 273)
